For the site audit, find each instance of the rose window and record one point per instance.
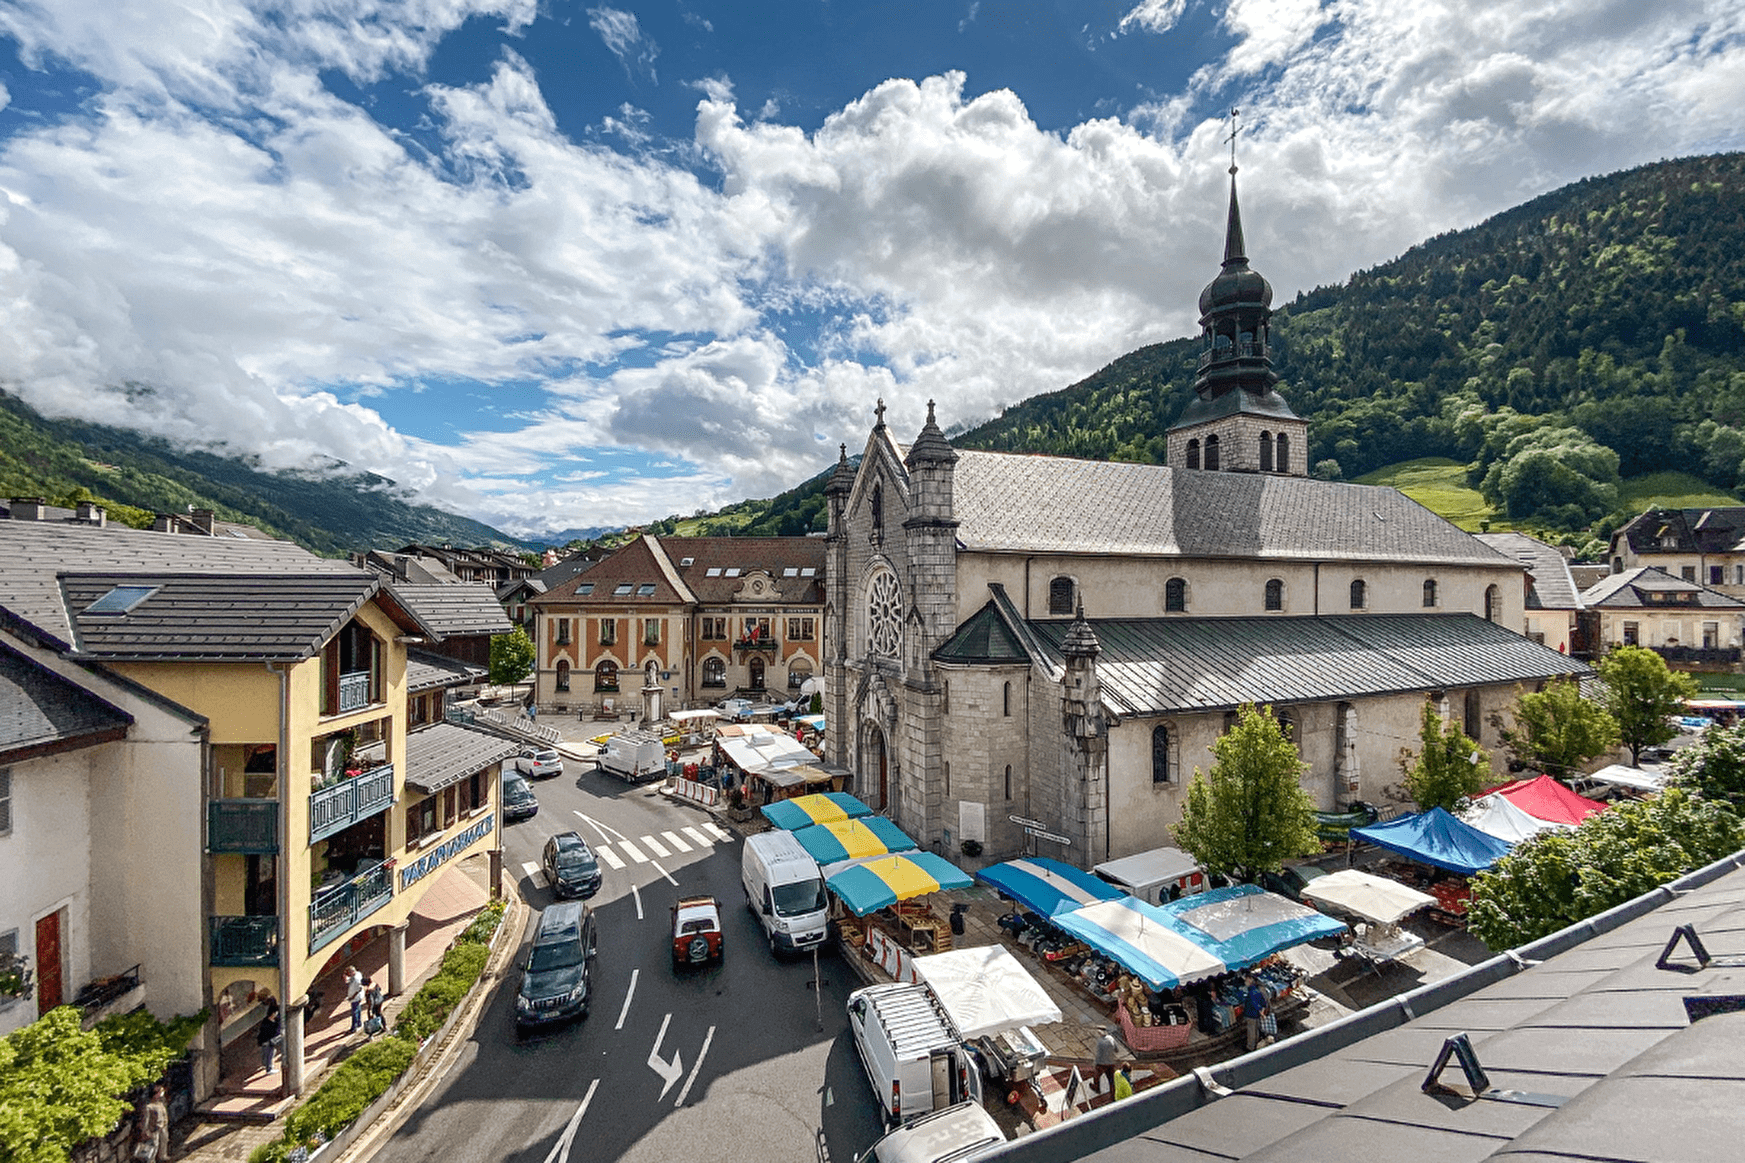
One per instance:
(884, 609)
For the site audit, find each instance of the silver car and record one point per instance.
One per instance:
(539, 762)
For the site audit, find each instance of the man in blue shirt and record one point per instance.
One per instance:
(1253, 1006)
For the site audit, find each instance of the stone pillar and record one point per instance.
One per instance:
(397, 951)
(292, 1027)
(1085, 744)
(930, 535)
(496, 855)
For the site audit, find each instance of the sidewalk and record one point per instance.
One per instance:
(248, 1105)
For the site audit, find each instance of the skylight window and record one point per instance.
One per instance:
(790, 572)
(645, 590)
(713, 571)
(809, 571)
(687, 561)
(121, 599)
(733, 571)
(624, 588)
(585, 589)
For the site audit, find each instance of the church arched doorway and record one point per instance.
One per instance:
(876, 770)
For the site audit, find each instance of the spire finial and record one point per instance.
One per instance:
(879, 411)
(1235, 129)
(929, 411)
(842, 453)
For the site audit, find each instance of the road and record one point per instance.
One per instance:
(726, 1064)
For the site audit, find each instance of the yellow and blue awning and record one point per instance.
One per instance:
(869, 885)
(817, 808)
(840, 840)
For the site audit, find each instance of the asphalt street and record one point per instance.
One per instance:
(742, 1063)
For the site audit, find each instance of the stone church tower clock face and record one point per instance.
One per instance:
(884, 611)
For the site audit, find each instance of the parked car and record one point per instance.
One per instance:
(955, 1134)
(557, 979)
(696, 931)
(519, 802)
(1291, 881)
(571, 866)
(539, 762)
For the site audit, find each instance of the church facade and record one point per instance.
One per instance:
(1028, 638)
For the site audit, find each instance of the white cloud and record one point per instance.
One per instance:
(1154, 15)
(623, 35)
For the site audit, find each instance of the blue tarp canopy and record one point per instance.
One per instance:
(1142, 939)
(1243, 924)
(1047, 886)
(1436, 838)
(818, 808)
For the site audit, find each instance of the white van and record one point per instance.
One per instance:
(957, 1133)
(1155, 877)
(912, 1051)
(785, 890)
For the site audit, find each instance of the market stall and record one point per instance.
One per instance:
(773, 764)
(884, 890)
(1437, 839)
(1143, 940)
(1630, 779)
(821, 808)
(1497, 815)
(1546, 799)
(1379, 905)
(842, 840)
(993, 1000)
(1243, 924)
(1047, 886)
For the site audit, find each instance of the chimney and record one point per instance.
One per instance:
(164, 523)
(91, 513)
(203, 520)
(28, 508)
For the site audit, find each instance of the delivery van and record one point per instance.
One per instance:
(956, 1134)
(634, 756)
(1155, 877)
(784, 889)
(913, 1054)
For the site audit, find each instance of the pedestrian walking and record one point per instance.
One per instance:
(375, 1023)
(354, 993)
(1253, 1009)
(1124, 1082)
(153, 1145)
(266, 1035)
(1107, 1054)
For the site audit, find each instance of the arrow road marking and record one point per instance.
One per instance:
(673, 839)
(560, 1150)
(638, 897)
(667, 1070)
(665, 873)
(626, 1010)
(695, 1066)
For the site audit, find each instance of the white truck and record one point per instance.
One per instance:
(913, 1054)
(634, 756)
(784, 888)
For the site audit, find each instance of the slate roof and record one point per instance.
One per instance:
(425, 671)
(467, 608)
(637, 565)
(1550, 584)
(984, 639)
(41, 712)
(216, 618)
(1155, 666)
(1583, 1015)
(32, 554)
(1629, 591)
(445, 754)
(1202, 411)
(1715, 530)
(775, 555)
(1005, 502)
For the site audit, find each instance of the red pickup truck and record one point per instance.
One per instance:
(696, 931)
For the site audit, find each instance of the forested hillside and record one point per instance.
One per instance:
(1594, 333)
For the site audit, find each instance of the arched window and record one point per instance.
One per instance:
(1175, 596)
(1162, 765)
(1275, 594)
(1212, 453)
(1493, 604)
(1006, 700)
(756, 668)
(714, 672)
(1472, 718)
(1193, 454)
(606, 676)
(1284, 452)
(1287, 724)
(563, 675)
(1060, 596)
(1357, 594)
(1008, 781)
(1266, 452)
(1429, 592)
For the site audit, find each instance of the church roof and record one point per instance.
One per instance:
(1011, 503)
(1550, 585)
(1201, 410)
(983, 640)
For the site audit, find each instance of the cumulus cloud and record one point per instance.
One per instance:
(1154, 15)
(623, 35)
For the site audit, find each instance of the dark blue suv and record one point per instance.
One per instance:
(557, 981)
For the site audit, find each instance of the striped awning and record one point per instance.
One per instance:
(868, 886)
(819, 808)
(840, 840)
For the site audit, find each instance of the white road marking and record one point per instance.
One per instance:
(638, 897)
(678, 844)
(718, 832)
(669, 1071)
(633, 851)
(530, 868)
(695, 1066)
(605, 828)
(665, 873)
(625, 1012)
(702, 840)
(560, 1150)
(609, 856)
(656, 847)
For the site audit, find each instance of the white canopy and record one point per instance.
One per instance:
(1619, 775)
(765, 751)
(1373, 898)
(985, 990)
(692, 716)
(1496, 816)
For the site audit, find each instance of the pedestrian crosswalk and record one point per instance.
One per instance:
(623, 851)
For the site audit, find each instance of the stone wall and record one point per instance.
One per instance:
(1239, 443)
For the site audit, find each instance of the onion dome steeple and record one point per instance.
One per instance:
(1235, 317)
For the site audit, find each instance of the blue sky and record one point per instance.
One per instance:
(553, 264)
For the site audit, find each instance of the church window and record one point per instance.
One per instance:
(1474, 722)
(1429, 593)
(1493, 604)
(1287, 725)
(1162, 767)
(1006, 700)
(948, 777)
(1175, 596)
(1275, 594)
(1193, 454)
(1266, 452)
(1212, 453)
(884, 613)
(1357, 594)
(1008, 781)
(1284, 453)
(878, 510)
(1060, 596)
(945, 698)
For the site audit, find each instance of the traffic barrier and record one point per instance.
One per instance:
(891, 957)
(697, 793)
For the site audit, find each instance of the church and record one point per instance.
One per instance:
(1017, 641)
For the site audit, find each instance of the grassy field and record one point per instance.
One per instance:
(1438, 484)
(1671, 490)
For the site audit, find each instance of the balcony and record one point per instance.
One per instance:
(354, 691)
(1700, 655)
(334, 809)
(760, 643)
(336, 909)
(246, 826)
(245, 940)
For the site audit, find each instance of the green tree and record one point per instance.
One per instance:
(1714, 767)
(1642, 695)
(1450, 767)
(511, 657)
(1250, 813)
(1558, 878)
(1557, 730)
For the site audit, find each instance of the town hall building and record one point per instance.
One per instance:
(1035, 638)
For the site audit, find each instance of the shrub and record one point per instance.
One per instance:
(359, 1081)
(432, 1004)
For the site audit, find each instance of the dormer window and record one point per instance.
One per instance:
(623, 589)
(121, 599)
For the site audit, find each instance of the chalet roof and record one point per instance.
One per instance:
(1550, 584)
(1713, 530)
(41, 712)
(1005, 502)
(634, 574)
(1647, 587)
(426, 671)
(786, 559)
(444, 754)
(450, 610)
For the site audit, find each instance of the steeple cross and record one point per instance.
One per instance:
(880, 411)
(1234, 130)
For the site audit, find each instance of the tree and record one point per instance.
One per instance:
(1642, 695)
(1450, 767)
(1714, 767)
(511, 657)
(1557, 730)
(1558, 878)
(1250, 813)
